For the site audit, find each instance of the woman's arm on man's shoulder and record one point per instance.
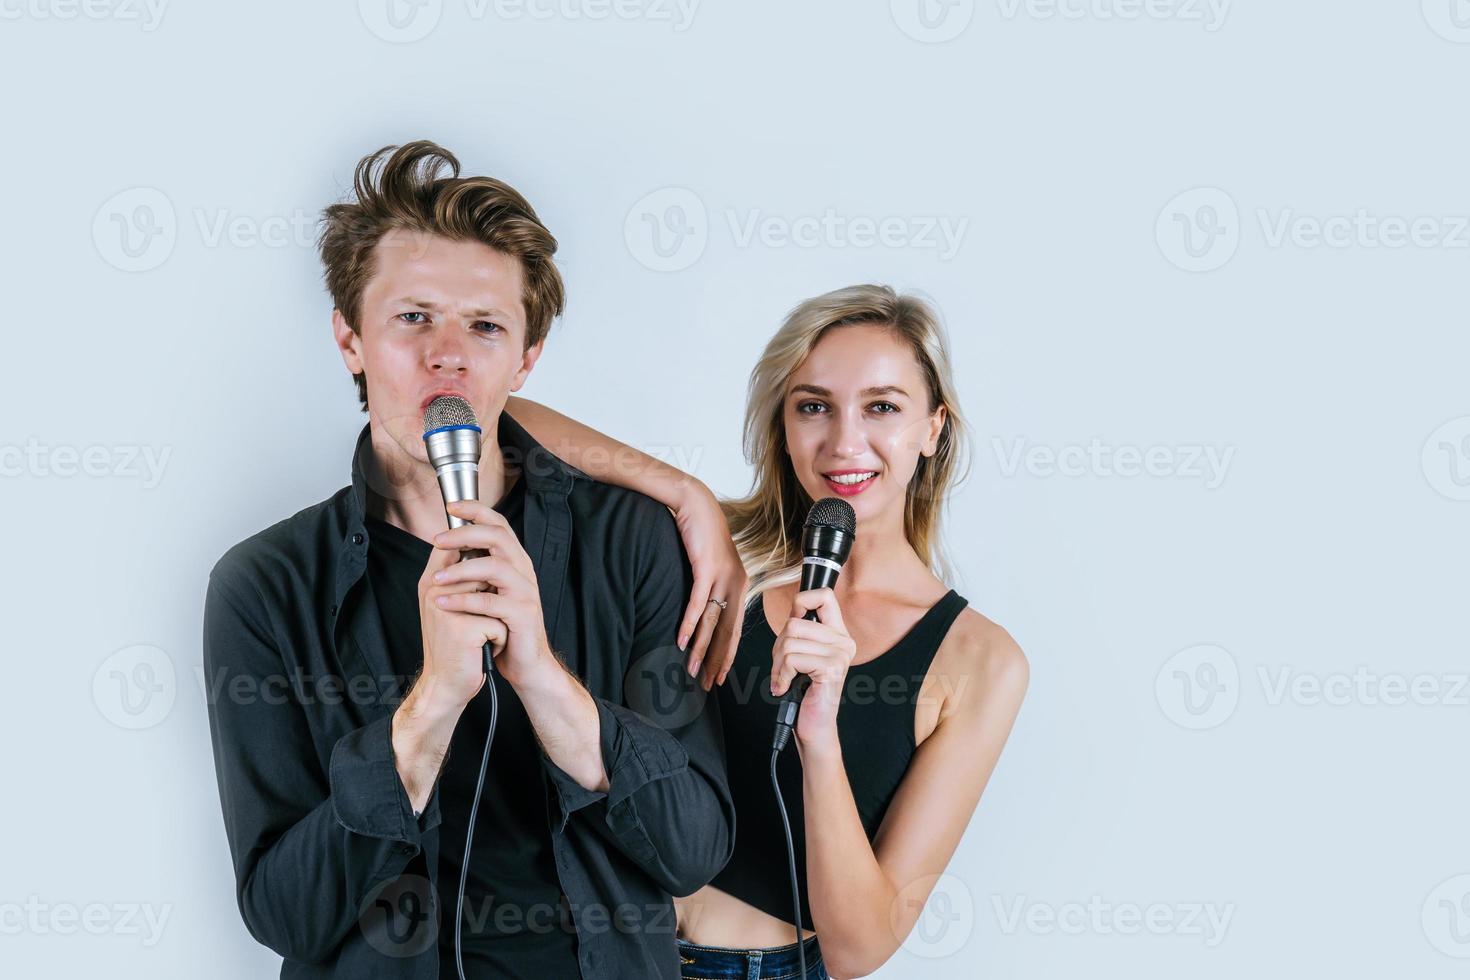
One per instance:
(718, 572)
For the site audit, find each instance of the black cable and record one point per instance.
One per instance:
(790, 861)
(469, 834)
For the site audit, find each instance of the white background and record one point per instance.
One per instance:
(1134, 189)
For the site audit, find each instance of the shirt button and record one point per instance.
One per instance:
(357, 537)
(334, 610)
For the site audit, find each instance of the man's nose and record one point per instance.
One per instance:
(446, 351)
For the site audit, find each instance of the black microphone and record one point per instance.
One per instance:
(826, 541)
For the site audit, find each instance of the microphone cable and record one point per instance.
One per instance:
(469, 835)
(790, 857)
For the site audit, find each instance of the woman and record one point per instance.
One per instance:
(912, 694)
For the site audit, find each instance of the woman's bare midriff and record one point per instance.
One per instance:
(711, 917)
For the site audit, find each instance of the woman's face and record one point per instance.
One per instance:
(857, 419)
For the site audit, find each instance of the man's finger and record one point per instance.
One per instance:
(478, 512)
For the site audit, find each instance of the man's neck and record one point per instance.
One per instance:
(405, 492)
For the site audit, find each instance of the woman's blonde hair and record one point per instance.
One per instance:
(767, 523)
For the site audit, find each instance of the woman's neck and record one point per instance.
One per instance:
(881, 556)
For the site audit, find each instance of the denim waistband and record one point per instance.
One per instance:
(700, 962)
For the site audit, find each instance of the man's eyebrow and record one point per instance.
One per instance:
(435, 307)
(866, 392)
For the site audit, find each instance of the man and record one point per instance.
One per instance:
(346, 803)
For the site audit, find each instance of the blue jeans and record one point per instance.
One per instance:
(777, 963)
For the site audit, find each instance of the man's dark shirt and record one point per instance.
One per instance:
(333, 871)
(513, 922)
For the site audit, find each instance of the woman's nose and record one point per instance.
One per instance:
(847, 436)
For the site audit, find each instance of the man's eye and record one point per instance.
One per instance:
(404, 317)
(486, 326)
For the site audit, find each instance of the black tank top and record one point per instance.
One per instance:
(875, 725)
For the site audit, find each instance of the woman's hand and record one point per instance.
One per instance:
(822, 650)
(718, 574)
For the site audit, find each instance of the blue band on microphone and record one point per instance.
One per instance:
(450, 428)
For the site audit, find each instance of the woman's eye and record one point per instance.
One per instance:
(884, 408)
(810, 408)
(404, 317)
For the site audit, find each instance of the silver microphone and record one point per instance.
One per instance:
(452, 437)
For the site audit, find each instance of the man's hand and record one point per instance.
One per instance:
(454, 662)
(561, 711)
(514, 599)
(453, 673)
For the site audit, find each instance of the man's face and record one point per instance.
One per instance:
(438, 317)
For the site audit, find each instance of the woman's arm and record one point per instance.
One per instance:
(866, 899)
(718, 572)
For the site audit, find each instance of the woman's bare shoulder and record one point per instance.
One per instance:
(984, 663)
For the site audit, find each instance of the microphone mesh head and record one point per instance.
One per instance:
(833, 512)
(447, 410)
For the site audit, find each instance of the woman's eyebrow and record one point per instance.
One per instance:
(866, 392)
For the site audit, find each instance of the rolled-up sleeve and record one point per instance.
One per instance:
(308, 846)
(667, 807)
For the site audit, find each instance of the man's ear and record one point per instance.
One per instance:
(528, 361)
(348, 342)
(936, 426)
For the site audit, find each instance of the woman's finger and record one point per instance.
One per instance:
(727, 630)
(809, 629)
(698, 599)
(796, 663)
(824, 601)
(699, 647)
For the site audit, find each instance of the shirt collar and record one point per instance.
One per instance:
(540, 468)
